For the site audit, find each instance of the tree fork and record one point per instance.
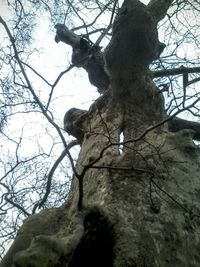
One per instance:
(152, 213)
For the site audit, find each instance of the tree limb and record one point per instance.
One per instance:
(31, 89)
(158, 8)
(86, 55)
(175, 71)
(63, 34)
(177, 124)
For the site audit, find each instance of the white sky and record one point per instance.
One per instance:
(74, 89)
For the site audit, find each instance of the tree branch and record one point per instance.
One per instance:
(177, 124)
(175, 71)
(63, 34)
(158, 8)
(50, 175)
(15, 204)
(36, 98)
(105, 32)
(85, 55)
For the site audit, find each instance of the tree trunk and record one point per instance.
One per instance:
(134, 199)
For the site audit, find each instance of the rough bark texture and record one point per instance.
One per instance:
(140, 202)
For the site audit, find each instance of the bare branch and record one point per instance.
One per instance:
(9, 200)
(65, 35)
(86, 55)
(177, 124)
(98, 41)
(50, 175)
(175, 71)
(29, 86)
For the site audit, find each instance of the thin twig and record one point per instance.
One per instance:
(51, 173)
(29, 86)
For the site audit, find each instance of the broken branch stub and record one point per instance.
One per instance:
(73, 121)
(85, 55)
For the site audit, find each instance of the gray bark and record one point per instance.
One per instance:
(134, 202)
(177, 124)
(85, 55)
(158, 8)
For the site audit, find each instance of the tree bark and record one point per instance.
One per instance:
(85, 55)
(135, 198)
(158, 8)
(177, 124)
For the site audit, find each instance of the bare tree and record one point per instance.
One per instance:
(134, 195)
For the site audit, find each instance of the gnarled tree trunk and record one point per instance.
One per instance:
(134, 199)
